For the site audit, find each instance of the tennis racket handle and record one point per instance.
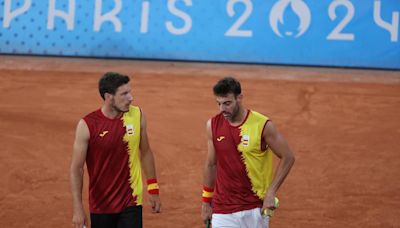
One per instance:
(208, 223)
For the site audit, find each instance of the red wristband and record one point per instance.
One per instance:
(152, 187)
(207, 194)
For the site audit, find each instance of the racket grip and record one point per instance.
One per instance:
(270, 212)
(208, 223)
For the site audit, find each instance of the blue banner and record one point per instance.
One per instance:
(357, 33)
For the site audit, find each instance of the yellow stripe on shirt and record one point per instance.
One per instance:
(258, 163)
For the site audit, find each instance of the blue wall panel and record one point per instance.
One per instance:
(357, 33)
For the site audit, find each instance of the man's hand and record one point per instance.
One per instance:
(155, 203)
(206, 212)
(79, 218)
(269, 202)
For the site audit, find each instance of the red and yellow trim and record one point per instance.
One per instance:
(152, 187)
(207, 194)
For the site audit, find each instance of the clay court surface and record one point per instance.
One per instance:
(342, 124)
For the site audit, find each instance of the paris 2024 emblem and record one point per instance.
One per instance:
(299, 7)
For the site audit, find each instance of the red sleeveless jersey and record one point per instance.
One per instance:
(233, 188)
(108, 165)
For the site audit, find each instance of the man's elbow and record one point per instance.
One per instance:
(210, 165)
(290, 159)
(76, 170)
(146, 155)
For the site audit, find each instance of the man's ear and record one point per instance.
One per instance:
(107, 96)
(239, 97)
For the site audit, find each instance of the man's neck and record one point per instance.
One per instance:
(110, 112)
(238, 120)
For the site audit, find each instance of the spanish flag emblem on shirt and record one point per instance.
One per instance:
(129, 130)
(245, 140)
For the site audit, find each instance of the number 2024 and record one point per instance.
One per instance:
(336, 34)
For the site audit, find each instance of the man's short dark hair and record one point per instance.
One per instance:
(110, 82)
(227, 85)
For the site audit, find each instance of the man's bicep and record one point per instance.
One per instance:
(275, 139)
(211, 158)
(144, 145)
(80, 144)
(211, 153)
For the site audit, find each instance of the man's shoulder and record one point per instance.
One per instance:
(94, 114)
(217, 116)
(135, 107)
(258, 115)
(94, 118)
(134, 111)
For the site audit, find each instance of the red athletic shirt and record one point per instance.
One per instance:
(233, 190)
(107, 164)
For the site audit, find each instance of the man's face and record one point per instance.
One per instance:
(229, 106)
(122, 98)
